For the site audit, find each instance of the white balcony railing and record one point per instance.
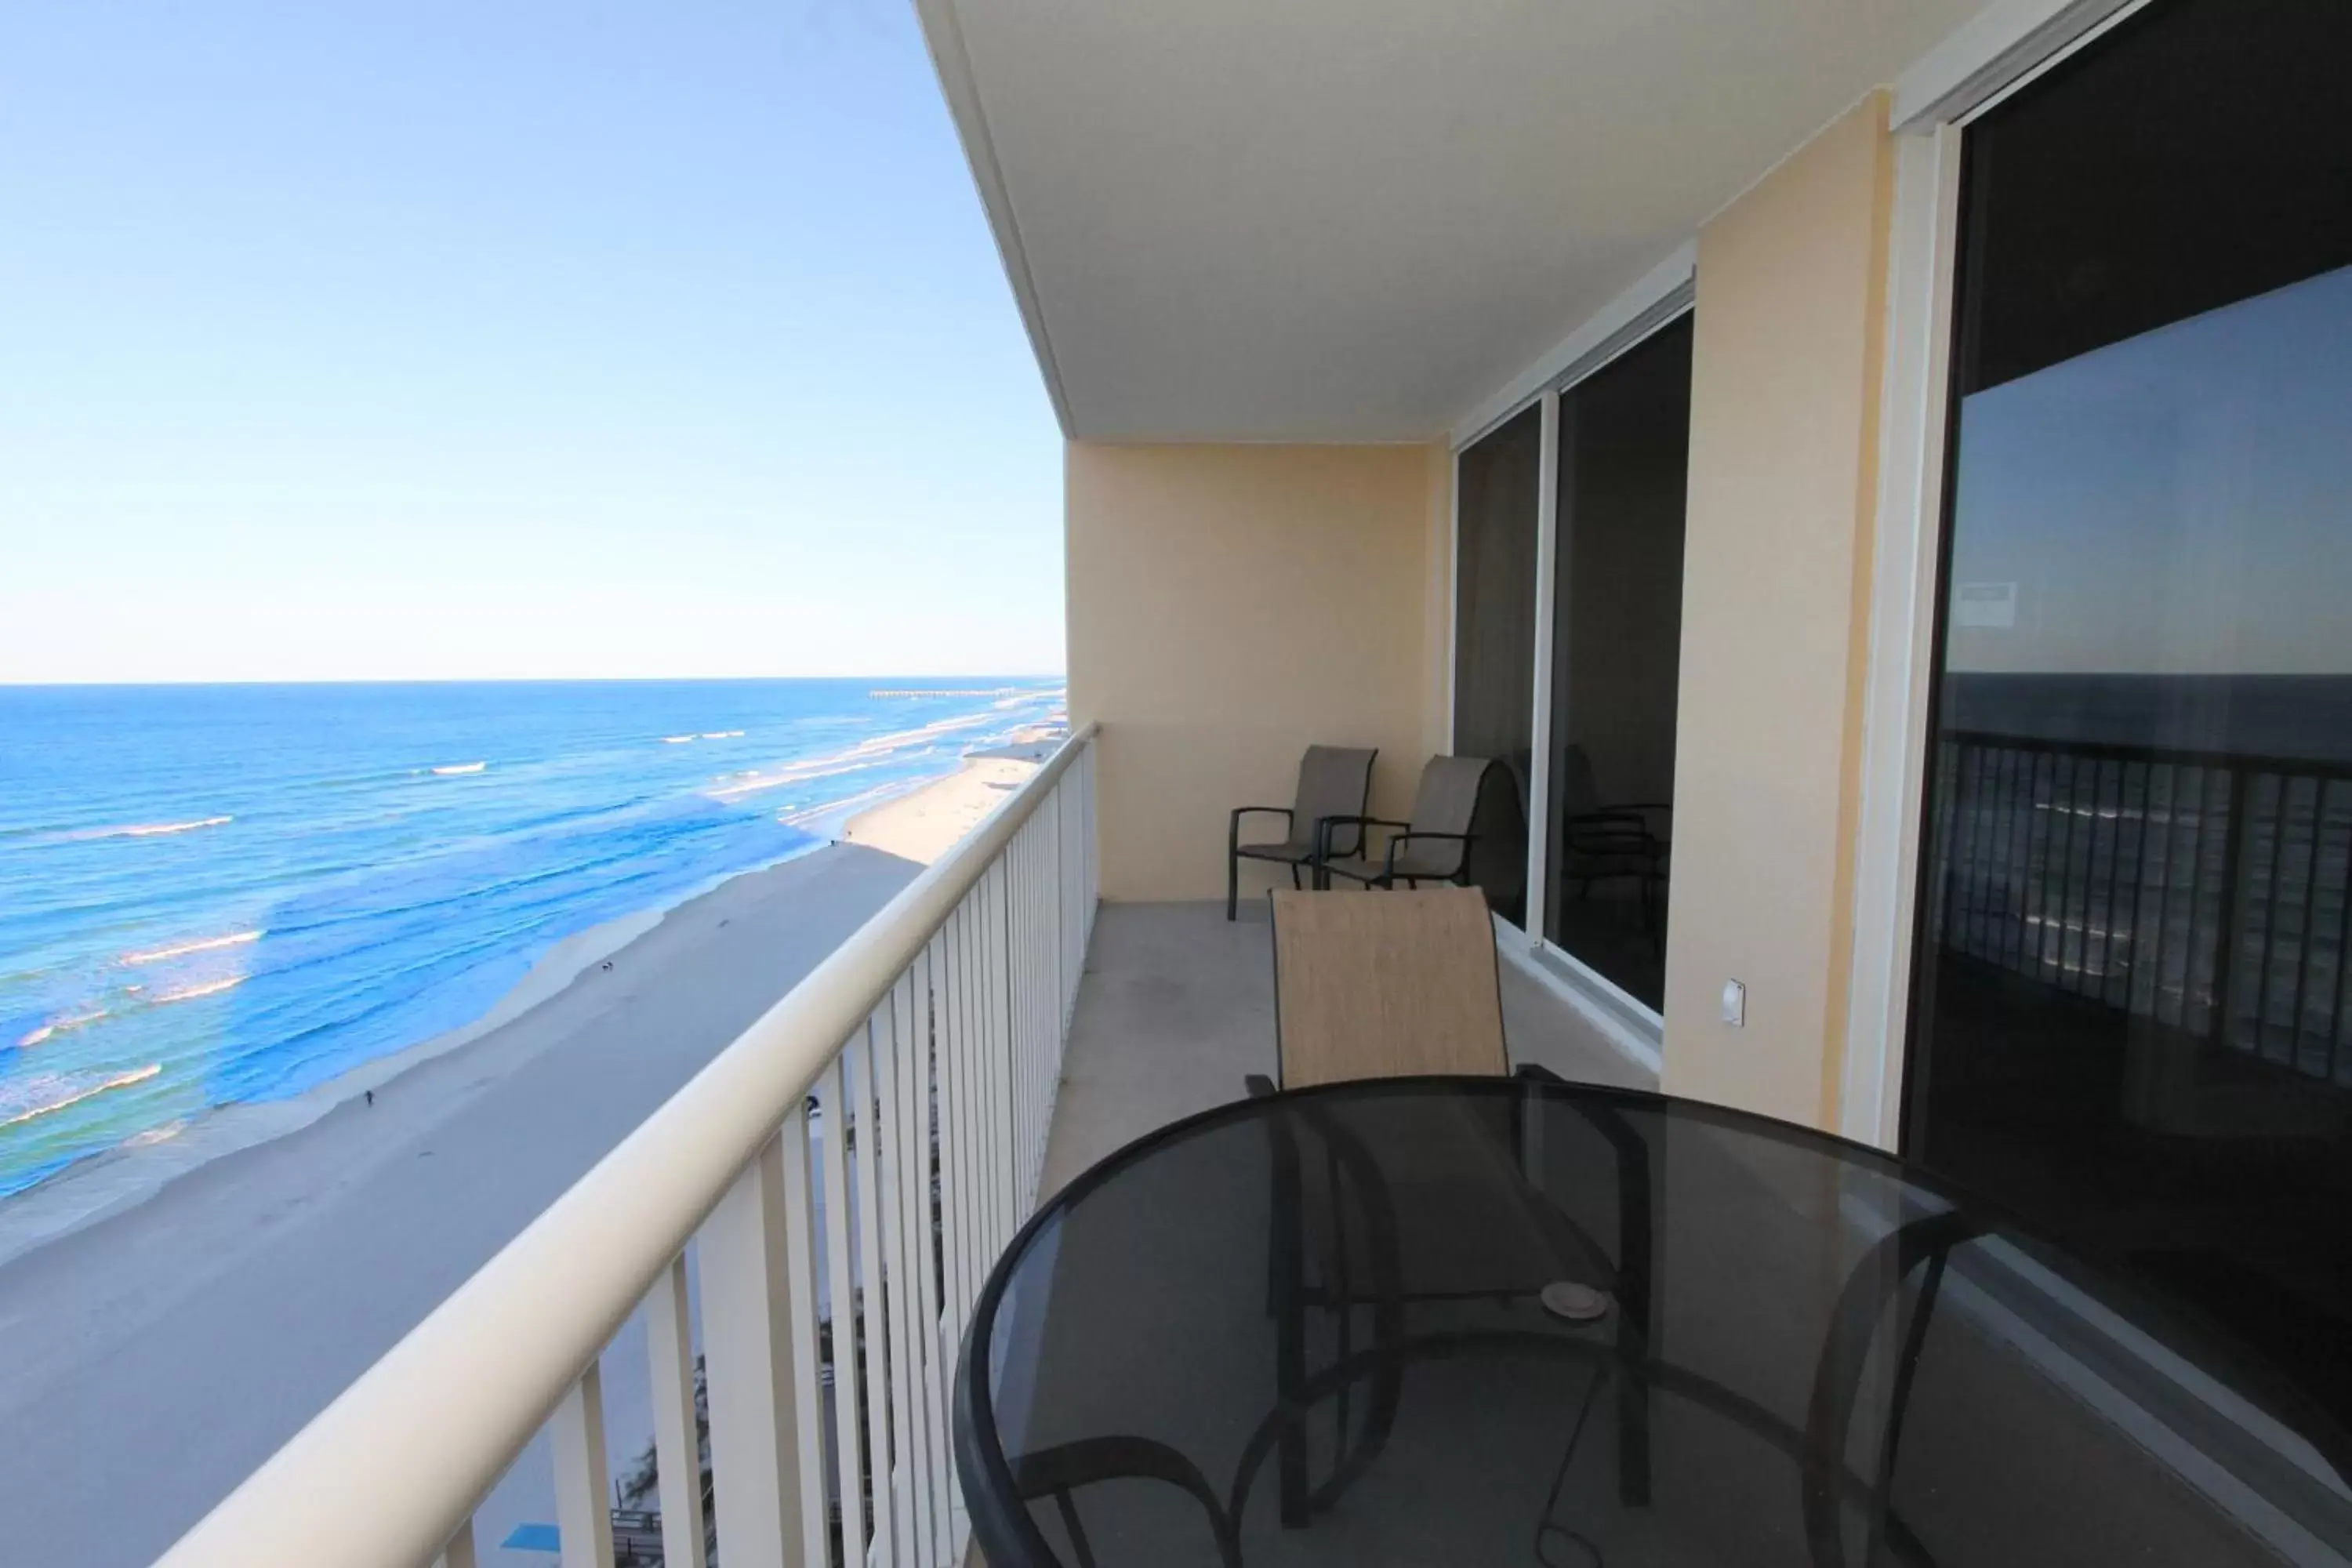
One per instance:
(930, 1046)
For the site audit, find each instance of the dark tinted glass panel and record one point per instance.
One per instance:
(1625, 452)
(1495, 639)
(2131, 1013)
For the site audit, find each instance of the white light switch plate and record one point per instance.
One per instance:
(1735, 1003)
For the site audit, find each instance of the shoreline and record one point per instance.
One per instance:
(917, 822)
(97, 1188)
(924, 822)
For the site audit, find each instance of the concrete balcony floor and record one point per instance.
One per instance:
(1177, 1005)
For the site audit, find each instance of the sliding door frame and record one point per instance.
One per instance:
(1662, 297)
(1977, 69)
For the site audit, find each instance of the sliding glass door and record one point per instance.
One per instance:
(1496, 484)
(1617, 594)
(2133, 1004)
(1603, 713)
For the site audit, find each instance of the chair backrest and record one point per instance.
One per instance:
(1447, 802)
(1333, 780)
(1580, 790)
(1385, 985)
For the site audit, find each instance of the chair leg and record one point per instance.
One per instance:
(1294, 885)
(1233, 882)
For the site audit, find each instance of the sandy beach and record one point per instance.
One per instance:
(157, 1354)
(925, 825)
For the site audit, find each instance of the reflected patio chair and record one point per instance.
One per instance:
(1334, 781)
(1433, 847)
(1604, 842)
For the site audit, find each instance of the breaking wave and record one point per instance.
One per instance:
(45, 1094)
(182, 949)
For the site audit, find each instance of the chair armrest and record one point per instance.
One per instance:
(1260, 1087)
(1323, 826)
(1388, 866)
(1233, 823)
(1610, 832)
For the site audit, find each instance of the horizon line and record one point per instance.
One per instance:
(512, 680)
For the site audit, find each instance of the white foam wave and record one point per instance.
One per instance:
(460, 768)
(181, 949)
(855, 756)
(45, 1095)
(163, 1134)
(148, 829)
(721, 735)
(675, 740)
(209, 988)
(56, 1026)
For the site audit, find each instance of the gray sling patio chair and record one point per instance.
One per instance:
(1433, 846)
(1333, 782)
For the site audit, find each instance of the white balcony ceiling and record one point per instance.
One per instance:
(1354, 220)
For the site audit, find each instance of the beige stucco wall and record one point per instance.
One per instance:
(1229, 605)
(1783, 442)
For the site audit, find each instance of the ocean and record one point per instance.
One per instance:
(217, 895)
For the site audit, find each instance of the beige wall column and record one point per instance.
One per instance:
(1228, 605)
(1784, 440)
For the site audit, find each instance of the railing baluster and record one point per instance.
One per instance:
(1000, 1068)
(873, 1219)
(678, 1456)
(2200, 960)
(842, 1216)
(808, 1385)
(933, 1258)
(955, 1094)
(2014, 847)
(972, 1056)
(749, 1368)
(2307, 922)
(583, 1516)
(1029, 986)
(910, 1454)
(2132, 893)
(971, 1063)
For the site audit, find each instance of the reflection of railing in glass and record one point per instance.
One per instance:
(2203, 890)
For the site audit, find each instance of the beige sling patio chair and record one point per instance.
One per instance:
(1385, 987)
(1333, 782)
(1363, 1223)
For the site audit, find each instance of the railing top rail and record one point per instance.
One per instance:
(387, 1472)
(2183, 756)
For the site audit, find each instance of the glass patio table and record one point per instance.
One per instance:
(1488, 1321)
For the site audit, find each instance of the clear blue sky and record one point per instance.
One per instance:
(419, 338)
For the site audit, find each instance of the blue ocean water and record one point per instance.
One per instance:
(225, 894)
